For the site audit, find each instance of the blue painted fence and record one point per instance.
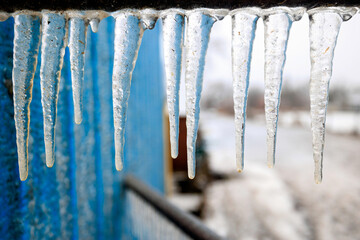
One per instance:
(81, 196)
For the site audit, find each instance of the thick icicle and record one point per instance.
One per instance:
(277, 24)
(26, 49)
(325, 24)
(52, 53)
(77, 45)
(173, 27)
(198, 28)
(128, 35)
(243, 33)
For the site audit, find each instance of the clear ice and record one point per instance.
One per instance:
(52, 53)
(198, 28)
(26, 49)
(243, 34)
(173, 28)
(325, 25)
(128, 35)
(77, 45)
(277, 24)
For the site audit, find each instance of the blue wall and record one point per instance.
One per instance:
(80, 197)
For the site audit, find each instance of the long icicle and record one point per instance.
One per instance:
(325, 25)
(198, 28)
(128, 35)
(243, 34)
(52, 53)
(77, 45)
(173, 28)
(26, 49)
(277, 24)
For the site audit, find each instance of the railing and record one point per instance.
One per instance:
(151, 216)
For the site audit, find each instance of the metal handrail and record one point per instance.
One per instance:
(188, 224)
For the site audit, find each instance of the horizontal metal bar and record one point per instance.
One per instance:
(188, 224)
(113, 5)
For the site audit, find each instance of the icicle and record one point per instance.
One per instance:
(128, 35)
(26, 49)
(173, 28)
(77, 45)
(148, 18)
(325, 24)
(243, 33)
(199, 24)
(94, 24)
(94, 17)
(52, 53)
(277, 24)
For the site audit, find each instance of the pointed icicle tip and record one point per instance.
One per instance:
(77, 47)
(243, 33)
(173, 28)
(119, 163)
(191, 175)
(276, 29)
(128, 35)
(318, 179)
(324, 30)
(198, 30)
(52, 53)
(26, 49)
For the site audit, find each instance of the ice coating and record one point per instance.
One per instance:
(77, 45)
(93, 17)
(276, 29)
(128, 35)
(52, 53)
(243, 33)
(198, 30)
(148, 18)
(26, 49)
(3, 16)
(324, 29)
(173, 28)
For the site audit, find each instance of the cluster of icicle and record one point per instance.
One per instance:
(52, 28)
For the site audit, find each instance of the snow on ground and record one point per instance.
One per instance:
(284, 202)
(336, 122)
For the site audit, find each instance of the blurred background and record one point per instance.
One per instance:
(283, 202)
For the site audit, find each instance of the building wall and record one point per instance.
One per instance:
(80, 197)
